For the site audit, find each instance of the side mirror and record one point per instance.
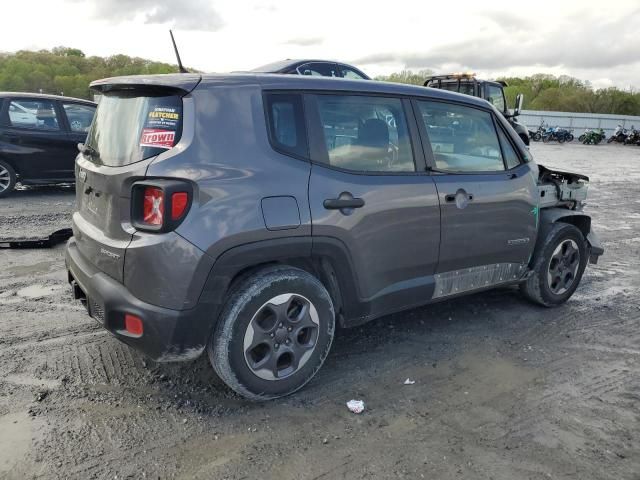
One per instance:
(518, 108)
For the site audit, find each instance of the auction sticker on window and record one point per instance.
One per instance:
(160, 127)
(157, 138)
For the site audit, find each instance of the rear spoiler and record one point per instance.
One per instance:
(178, 82)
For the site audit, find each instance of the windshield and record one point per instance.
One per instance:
(129, 127)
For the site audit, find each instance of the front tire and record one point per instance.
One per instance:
(559, 262)
(7, 178)
(273, 334)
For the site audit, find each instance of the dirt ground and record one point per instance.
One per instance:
(503, 389)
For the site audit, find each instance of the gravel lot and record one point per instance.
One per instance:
(504, 389)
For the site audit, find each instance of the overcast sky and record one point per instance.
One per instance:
(592, 40)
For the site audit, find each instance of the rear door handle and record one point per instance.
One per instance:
(342, 203)
(451, 197)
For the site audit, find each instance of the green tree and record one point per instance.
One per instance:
(68, 70)
(406, 76)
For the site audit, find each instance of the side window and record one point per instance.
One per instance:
(36, 114)
(496, 97)
(287, 132)
(318, 69)
(511, 158)
(366, 134)
(347, 72)
(79, 116)
(463, 139)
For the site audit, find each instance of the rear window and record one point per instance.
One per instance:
(128, 128)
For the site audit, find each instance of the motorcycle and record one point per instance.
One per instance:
(592, 137)
(619, 135)
(633, 137)
(554, 133)
(537, 135)
(566, 133)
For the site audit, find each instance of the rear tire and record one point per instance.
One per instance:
(273, 334)
(559, 262)
(7, 178)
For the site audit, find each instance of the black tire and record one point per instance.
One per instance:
(581, 138)
(570, 137)
(610, 139)
(537, 137)
(239, 320)
(561, 139)
(537, 287)
(7, 178)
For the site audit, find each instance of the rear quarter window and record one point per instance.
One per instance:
(285, 119)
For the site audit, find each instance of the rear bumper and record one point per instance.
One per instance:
(169, 335)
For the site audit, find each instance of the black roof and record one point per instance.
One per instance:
(45, 96)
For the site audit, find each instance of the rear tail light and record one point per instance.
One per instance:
(179, 203)
(133, 325)
(160, 205)
(153, 206)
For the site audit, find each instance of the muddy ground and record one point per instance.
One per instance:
(503, 389)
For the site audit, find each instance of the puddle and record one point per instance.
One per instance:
(38, 291)
(15, 441)
(40, 267)
(28, 381)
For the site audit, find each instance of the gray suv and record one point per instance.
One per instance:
(250, 214)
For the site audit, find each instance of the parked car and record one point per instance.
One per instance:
(320, 68)
(38, 138)
(247, 215)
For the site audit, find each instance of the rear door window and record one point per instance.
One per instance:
(79, 116)
(365, 134)
(33, 113)
(463, 139)
(131, 127)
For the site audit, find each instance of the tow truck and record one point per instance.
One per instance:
(490, 90)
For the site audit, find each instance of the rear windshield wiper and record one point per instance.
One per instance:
(88, 150)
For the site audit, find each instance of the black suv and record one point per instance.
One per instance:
(38, 138)
(248, 214)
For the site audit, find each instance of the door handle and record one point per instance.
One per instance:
(342, 203)
(451, 197)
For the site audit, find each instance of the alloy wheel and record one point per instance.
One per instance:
(5, 179)
(281, 336)
(563, 266)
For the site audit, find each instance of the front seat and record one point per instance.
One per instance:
(373, 137)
